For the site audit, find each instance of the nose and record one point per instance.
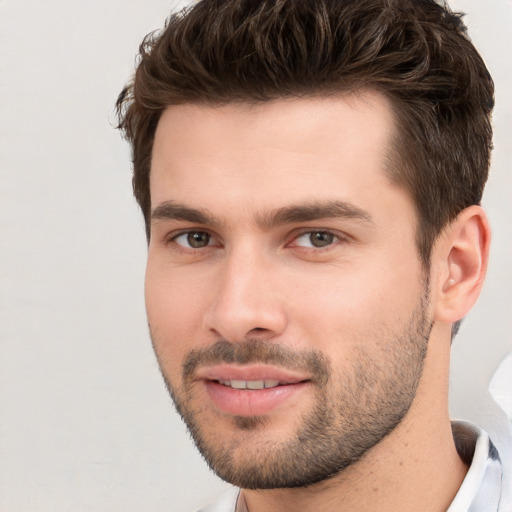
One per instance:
(246, 300)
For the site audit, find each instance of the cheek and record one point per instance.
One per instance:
(174, 311)
(354, 308)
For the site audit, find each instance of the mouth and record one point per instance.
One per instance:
(253, 390)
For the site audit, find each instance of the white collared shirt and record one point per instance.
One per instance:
(484, 488)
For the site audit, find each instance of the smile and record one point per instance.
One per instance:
(253, 397)
(252, 389)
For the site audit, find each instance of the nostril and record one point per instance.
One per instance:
(258, 330)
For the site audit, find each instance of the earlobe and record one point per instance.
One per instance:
(462, 254)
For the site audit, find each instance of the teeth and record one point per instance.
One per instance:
(238, 384)
(255, 384)
(250, 384)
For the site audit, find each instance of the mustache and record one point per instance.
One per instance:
(256, 351)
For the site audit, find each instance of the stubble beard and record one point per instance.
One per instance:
(352, 413)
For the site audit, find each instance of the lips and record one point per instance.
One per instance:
(251, 390)
(248, 373)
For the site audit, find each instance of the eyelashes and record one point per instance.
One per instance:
(317, 239)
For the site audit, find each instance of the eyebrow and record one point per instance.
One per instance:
(304, 212)
(314, 211)
(177, 211)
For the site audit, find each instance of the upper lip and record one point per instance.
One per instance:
(250, 372)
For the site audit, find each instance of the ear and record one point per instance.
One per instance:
(460, 257)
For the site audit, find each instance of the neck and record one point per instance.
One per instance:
(416, 467)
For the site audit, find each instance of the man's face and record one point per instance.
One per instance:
(287, 305)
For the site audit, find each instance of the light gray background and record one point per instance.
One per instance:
(85, 421)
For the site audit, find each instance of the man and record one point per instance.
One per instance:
(310, 172)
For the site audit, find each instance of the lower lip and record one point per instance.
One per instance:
(244, 402)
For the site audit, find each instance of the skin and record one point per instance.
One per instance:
(264, 281)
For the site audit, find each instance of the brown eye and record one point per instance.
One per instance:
(193, 239)
(321, 238)
(316, 239)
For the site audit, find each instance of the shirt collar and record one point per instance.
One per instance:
(481, 490)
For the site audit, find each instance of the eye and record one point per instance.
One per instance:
(193, 239)
(317, 239)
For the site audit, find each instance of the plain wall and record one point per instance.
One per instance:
(85, 420)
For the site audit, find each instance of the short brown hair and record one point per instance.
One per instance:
(415, 52)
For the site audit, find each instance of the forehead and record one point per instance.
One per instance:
(286, 150)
